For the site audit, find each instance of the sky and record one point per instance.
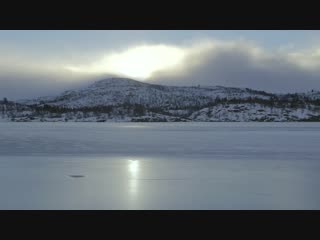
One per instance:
(37, 63)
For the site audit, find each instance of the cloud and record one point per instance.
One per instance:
(244, 64)
(239, 63)
(20, 81)
(136, 62)
(26, 77)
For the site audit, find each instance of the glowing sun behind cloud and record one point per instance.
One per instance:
(138, 62)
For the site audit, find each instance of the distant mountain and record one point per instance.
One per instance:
(121, 99)
(117, 91)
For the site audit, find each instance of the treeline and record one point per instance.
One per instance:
(279, 101)
(136, 109)
(289, 100)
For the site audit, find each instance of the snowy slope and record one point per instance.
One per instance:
(253, 112)
(118, 91)
(121, 99)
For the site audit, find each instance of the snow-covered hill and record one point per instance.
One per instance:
(120, 99)
(253, 112)
(117, 91)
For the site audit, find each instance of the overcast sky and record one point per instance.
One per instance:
(40, 63)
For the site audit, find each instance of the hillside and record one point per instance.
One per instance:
(119, 99)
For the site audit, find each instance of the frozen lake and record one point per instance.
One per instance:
(159, 165)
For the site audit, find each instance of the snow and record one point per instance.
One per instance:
(159, 165)
(117, 91)
(119, 99)
(252, 112)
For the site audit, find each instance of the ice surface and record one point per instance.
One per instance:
(159, 166)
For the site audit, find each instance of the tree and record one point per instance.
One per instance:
(217, 100)
(4, 107)
(138, 110)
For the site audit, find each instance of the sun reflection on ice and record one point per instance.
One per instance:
(133, 169)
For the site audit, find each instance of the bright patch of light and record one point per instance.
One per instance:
(139, 62)
(133, 168)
